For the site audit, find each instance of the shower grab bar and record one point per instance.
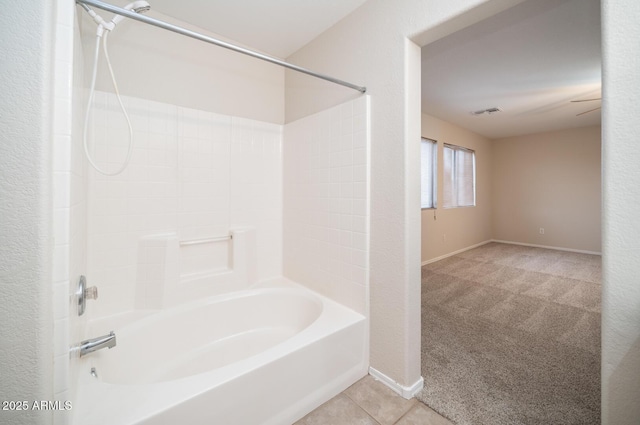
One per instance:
(211, 40)
(205, 240)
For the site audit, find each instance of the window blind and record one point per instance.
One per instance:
(428, 167)
(459, 177)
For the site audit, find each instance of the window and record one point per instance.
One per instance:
(459, 177)
(428, 167)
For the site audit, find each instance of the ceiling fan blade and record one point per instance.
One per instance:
(590, 110)
(585, 100)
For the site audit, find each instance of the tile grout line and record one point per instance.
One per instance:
(414, 402)
(360, 407)
(413, 406)
(437, 412)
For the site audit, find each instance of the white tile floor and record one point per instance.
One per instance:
(369, 402)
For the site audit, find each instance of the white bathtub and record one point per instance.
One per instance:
(267, 355)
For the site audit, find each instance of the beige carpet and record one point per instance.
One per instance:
(511, 335)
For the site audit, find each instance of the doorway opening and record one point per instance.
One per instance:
(511, 285)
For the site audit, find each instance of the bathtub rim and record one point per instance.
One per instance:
(156, 321)
(173, 393)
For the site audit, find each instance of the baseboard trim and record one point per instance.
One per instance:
(557, 248)
(406, 392)
(451, 254)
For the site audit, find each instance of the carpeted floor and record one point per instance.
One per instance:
(511, 335)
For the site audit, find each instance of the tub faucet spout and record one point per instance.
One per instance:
(95, 344)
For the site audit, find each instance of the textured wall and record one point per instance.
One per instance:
(26, 344)
(25, 271)
(69, 157)
(371, 47)
(69, 193)
(621, 227)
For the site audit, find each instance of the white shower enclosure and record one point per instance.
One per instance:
(292, 197)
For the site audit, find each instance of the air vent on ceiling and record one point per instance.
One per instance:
(487, 111)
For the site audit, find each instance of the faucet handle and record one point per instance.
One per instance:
(91, 293)
(83, 294)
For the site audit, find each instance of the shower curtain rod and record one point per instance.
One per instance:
(201, 37)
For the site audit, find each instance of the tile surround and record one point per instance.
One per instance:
(199, 174)
(193, 173)
(326, 202)
(68, 197)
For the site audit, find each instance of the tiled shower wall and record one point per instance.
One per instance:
(326, 203)
(193, 173)
(69, 199)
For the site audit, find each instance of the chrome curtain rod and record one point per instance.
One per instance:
(211, 40)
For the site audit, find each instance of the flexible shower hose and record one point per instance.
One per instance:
(90, 102)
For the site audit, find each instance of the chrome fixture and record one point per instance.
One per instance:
(179, 30)
(95, 344)
(139, 6)
(83, 294)
(102, 33)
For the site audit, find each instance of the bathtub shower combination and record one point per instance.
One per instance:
(235, 291)
(219, 347)
(267, 354)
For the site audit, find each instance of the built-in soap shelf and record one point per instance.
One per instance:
(172, 270)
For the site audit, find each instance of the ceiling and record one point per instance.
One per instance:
(276, 27)
(530, 61)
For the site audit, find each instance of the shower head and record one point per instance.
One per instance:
(138, 6)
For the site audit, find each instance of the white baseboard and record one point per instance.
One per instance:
(557, 248)
(451, 254)
(406, 392)
(442, 257)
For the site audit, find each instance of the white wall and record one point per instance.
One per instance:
(265, 83)
(447, 230)
(194, 174)
(368, 48)
(178, 183)
(159, 65)
(552, 181)
(70, 157)
(26, 327)
(326, 203)
(621, 227)
(69, 196)
(371, 47)
(25, 354)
